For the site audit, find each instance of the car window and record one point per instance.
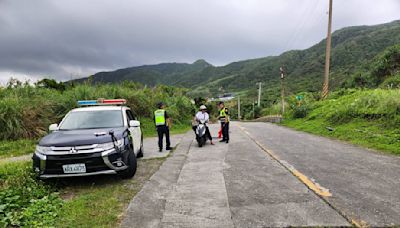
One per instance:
(130, 115)
(92, 119)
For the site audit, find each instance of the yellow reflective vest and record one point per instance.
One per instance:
(223, 117)
(159, 116)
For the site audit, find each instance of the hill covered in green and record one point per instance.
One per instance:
(151, 75)
(353, 48)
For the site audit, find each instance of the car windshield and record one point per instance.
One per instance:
(92, 119)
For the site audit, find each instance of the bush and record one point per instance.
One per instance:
(27, 111)
(274, 109)
(381, 68)
(365, 104)
(24, 201)
(385, 65)
(391, 82)
(300, 111)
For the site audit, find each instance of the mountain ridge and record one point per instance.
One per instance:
(352, 48)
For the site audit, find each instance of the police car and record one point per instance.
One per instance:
(101, 137)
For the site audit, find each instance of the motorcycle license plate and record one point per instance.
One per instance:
(74, 168)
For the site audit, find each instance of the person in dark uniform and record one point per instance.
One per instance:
(224, 119)
(161, 119)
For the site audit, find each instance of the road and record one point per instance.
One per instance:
(269, 176)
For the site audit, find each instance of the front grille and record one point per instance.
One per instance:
(93, 161)
(75, 149)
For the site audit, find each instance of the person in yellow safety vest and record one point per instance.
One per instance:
(161, 119)
(224, 119)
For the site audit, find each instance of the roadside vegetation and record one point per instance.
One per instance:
(365, 112)
(369, 118)
(18, 147)
(26, 111)
(78, 202)
(25, 201)
(25, 114)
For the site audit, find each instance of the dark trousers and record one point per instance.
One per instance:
(161, 130)
(225, 131)
(208, 134)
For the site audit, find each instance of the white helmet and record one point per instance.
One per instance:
(203, 107)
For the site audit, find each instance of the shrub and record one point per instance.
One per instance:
(365, 104)
(300, 111)
(24, 201)
(27, 111)
(391, 82)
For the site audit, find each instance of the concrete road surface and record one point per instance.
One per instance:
(151, 150)
(269, 176)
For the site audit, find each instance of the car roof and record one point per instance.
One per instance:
(99, 108)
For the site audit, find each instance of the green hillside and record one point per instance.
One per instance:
(164, 73)
(352, 49)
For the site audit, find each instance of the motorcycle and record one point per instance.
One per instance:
(201, 133)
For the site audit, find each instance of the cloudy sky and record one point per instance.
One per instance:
(75, 38)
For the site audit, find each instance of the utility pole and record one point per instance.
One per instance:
(259, 94)
(325, 88)
(282, 88)
(238, 107)
(254, 115)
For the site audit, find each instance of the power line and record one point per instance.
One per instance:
(309, 11)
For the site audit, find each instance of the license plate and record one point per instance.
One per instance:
(74, 168)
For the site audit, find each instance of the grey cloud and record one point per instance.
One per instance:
(60, 38)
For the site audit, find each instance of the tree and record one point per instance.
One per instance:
(50, 84)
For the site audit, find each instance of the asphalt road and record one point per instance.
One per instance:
(269, 176)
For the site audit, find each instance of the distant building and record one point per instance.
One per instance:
(226, 97)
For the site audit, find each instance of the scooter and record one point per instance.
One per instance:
(201, 133)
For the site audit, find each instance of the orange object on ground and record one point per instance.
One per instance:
(220, 133)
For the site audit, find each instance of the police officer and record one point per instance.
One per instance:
(224, 119)
(162, 120)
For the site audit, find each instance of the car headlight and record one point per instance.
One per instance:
(110, 145)
(43, 149)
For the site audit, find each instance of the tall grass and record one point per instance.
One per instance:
(26, 111)
(366, 117)
(377, 104)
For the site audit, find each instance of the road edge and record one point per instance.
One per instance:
(146, 209)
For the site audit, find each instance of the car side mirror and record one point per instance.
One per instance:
(53, 127)
(134, 123)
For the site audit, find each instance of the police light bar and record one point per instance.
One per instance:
(102, 102)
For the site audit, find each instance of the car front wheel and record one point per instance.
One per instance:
(132, 165)
(140, 154)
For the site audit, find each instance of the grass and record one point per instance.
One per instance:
(16, 148)
(149, 129)
(369, 118)
(97, 201)
(363, 133)
(26, 111)
(25, 201)
(100, 201)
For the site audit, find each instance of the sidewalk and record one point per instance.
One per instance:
(150, 146)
